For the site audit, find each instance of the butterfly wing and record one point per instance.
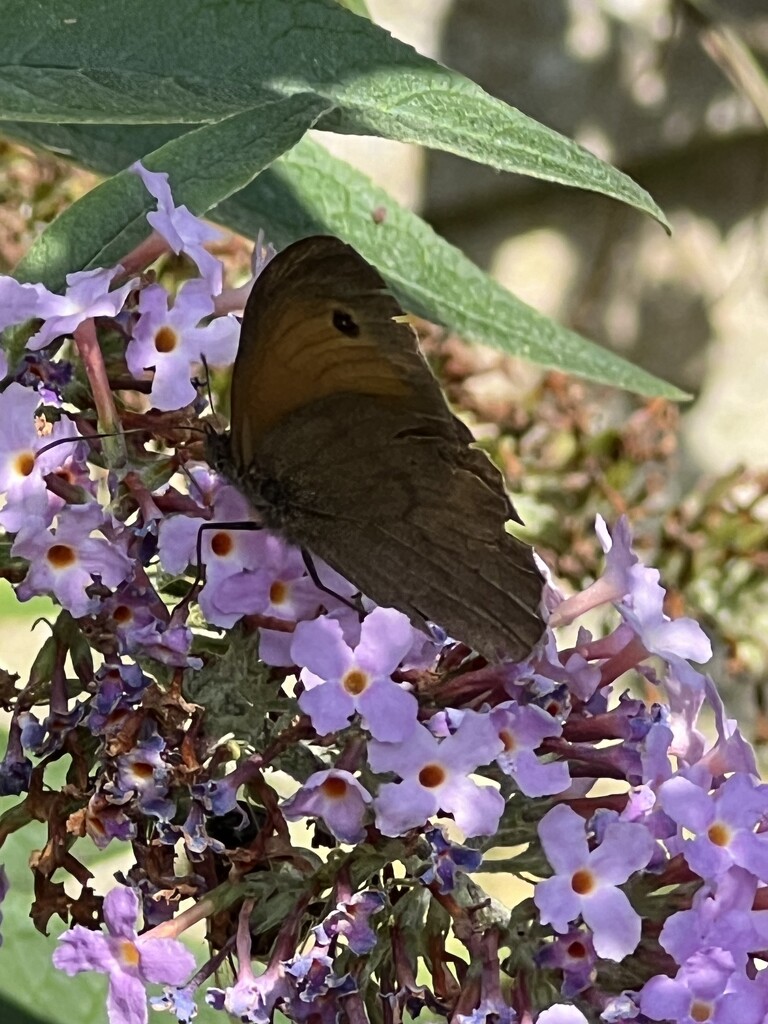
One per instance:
(342, 438)
(413, 516)
(320, 321)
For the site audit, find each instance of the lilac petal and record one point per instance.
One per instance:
(665, 999)
(121, 908)
(126, 1000)
(401, 806)
(615, 925)
(388, 710)
(18, 302)
(475, 742)
(319, 646)
(626, 847)
(750, 851)
(405, 758)
(563, 836)
(557, 902)
(536, 778)
(329, 706)
(166, 961)
(562, 1013)
(476, 809)
(687, 804)
(386, 636)
(81, 949)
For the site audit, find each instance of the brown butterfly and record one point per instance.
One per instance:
(342, 440)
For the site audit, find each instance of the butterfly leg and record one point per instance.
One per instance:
(355, 604)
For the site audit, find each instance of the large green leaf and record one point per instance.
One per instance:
(191, 61)
(308, 191)
(205, 165)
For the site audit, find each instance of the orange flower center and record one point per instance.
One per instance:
(719, 833)
(122, 614)
(432, 775)
(61, 556)
(583, 882)
(334, 788)
(166, 339)
(24, 463)
(355, 682)
(278, 592)
(222, 544)
(701, 1011)
(129, 953)
(508, 740)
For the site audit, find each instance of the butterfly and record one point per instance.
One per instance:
(343, 442)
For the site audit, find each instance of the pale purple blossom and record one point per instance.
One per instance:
(435, 777)
(171, 341)
(336, 797)
(615, 582)
(722, 824)
(131, 961)
(22, 470)
(87, 296)
(522, 729)
(340, 679)
(182, 230)
(65, 560)
(18, 302)
(708, 987)
(585, 882)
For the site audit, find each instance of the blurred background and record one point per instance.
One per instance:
(675, 93)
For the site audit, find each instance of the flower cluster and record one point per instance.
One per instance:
(336, 779)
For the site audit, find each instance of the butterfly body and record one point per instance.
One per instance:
(343, 442)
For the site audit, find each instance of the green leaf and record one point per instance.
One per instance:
(356, 6)
(204, 63)
(204, 165)
(309, 191)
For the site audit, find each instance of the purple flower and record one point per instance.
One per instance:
(279, 588)
(336, 797)
(143, 773)
(522, 729)
(435, 776)
(574, 955)
(18, 302)
(130, 960)
(706, 988)
(22, 471)
(4, 887)
(446, 858)
(64, 562)
(251, 998)
(171, 342)
(341, 680)
(180, 1002)
(723, 917)
(586, 882)
(351, 919)
(613, 585)
(561, 1013)
(87, 296)
(670, 639)
(180, 228)
(723, 824)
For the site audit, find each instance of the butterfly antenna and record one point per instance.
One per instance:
(204, 361)
(200, 572)
(355, 604)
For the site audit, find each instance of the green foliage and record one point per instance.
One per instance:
(221, 99)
